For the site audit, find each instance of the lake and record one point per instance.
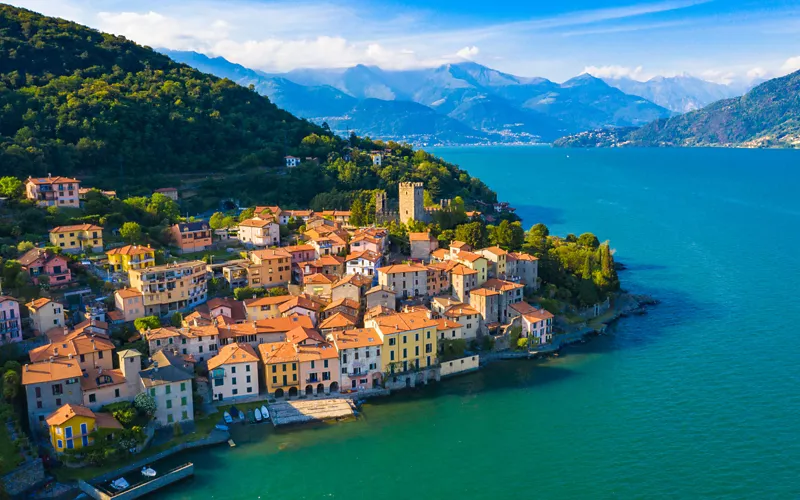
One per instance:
(699, 398)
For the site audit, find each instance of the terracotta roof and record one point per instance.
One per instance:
(358, 280)
(38, 303)
(302, 333)
(419, 236)
(380, 288)
(446, 324)
(62, 346)
(89, 380)
(299, 301)
(233, 353)
(130, 250)
(321, 350)
(115, 315)
(50, 371)
(67, 412)
(317, 279)
(162, 333)
(502, 285)
(127, 293)
(267, 301)
(271, 253)
(283, 324)
(458, 244)
(106, 421)
(462, 270)
(484, 292)
(523, 256)
(298, 248)
(365, 254)
(52, 180)
(402, 268)
(495, 251)
(35, 254)
(278, 352)
(469, 256)
(352, 304)
(338, 320)
(403, 322)
(355, 338)
(445, 266)
(460, 310)
(538, 315)
(164, 190)
(76, 227)
(376, 311)
(329, 260)
(440, 253)
(257, 222)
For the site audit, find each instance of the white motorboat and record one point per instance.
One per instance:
(241, 415)
(148, 472)
(222, 427)
(227, 417)
(265, 412)
(258, 415)
(120, 484)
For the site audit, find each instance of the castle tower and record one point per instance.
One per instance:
(381, 204)
(411, 202)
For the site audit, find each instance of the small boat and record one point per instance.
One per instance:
(120, 484)
(259, 418)
(227, 417)
(234, 411)
(241, 415)
(148, 472)
(222, 427)
(264, 412)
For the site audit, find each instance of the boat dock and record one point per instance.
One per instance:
(136, 486)
(302, 411)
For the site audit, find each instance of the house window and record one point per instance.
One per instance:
(233, 369)
(169, 404)
(247, 368)
(183, 401)
(116, 393)
(184, 415)
(183, 386)
(169, 389)
(235, 392)
(92, 398)
(60, 443)
(169, 418)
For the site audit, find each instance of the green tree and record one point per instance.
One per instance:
(147, 323)
(216, 221)
(11, 385)
(131, 232)
(473, 234)
(163, 207)
(176, 319)
(247, 213)
(24, 246)
(588, 240)
(10, 187)
(357, 215)
(145, 404)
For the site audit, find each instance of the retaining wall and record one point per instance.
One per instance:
(460, 365)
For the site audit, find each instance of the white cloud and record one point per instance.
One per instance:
(613, 71)
(791, 65)
(468, 52)
(756, 73)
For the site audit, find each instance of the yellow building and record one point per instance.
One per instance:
(170, 288)
(72, 427)
(496, 258)
(281, 368)
(131, 257)
(476, 263)
(409, 341)
(78, 238)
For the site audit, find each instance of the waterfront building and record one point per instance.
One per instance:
(409, 345)
(233, 372)
(168, 380)
(359, 357)
(73, 427)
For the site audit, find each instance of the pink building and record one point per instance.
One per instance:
(39, 262)
(10, 324)
(319, 361)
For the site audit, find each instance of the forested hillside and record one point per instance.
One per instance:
(77, 102)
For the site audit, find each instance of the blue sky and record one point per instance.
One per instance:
(723, 41)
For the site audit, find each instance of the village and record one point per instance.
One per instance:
(336, 314)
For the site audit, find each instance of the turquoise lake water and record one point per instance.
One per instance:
(700, 398)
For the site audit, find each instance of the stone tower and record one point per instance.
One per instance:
(381, 204)
(411, 202)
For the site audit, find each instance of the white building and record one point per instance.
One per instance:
(359, 358)
(234, 372)
(365, 263)
(169, 382)
(259, 232)
(292, 161)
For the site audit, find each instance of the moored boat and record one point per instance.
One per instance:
(265, 412)
(227, 417)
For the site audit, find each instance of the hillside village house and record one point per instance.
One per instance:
(508, 293)
(53, 191)
(468, 317)
(359, 358)
(169, 382)
(191, 237)
(318, 284)
(422, 244)
(525, 267)
(364, 262)
(457, 247)
(537, 324)
(264, 212)
(438, 279)
(86, 347)
(170, 288)
(330, 265)
(351, 286)
(449, 330)
(475, 262)
(281, 368)
(259, 232)
(102, 386)
(263, 331)
(123, 259)
(10, 322)
(269, 268)
(409, 345)
(264, 307)
(407, 280)
(462, 280)
(198, 341)
(496, 258)
(328, 245)
(129, 304)
(317, 359)
(381, 295)
(341, 216)
(302, 306)
(292, 161)
(79, 238)
(337, 322)
(169, 192)
(39, 262)
(233, 372)
(49, 385)
(73, 427)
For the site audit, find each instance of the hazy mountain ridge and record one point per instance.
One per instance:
(680, 94)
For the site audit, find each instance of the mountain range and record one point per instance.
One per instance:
(680, 94)
(453, 103)
(766, 116)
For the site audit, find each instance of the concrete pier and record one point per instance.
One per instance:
(301, 411)
(102, 492)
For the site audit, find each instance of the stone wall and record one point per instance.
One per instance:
(141, 490)
(460, 365)
(24, 478)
